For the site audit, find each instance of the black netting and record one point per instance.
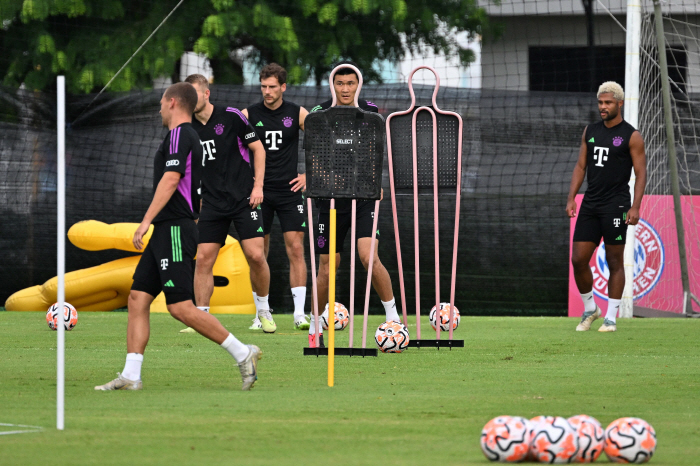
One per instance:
(344, 153)
(401, 128)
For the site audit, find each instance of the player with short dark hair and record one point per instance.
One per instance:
(166, 263)
(230, 192)
(277, 123)
(608, 152)
(345, 84)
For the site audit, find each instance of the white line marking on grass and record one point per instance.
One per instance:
(32, 429)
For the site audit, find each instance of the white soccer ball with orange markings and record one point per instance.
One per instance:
(444, 316)
(506, 439)
(70, 316)
(591, 438)
(342, 317)
(554, 442)
(630, 440)
(392, 337)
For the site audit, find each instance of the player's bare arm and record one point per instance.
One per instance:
(639, 164)
(245, 113)
(164, 191)
(256, 196)
(577, 177)
(300, 181)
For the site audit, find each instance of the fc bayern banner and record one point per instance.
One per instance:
(657, 271)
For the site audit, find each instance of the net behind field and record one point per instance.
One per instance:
(682, 35)
(513, 235)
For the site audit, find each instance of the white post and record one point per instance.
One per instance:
(631, 115)
(60, 232)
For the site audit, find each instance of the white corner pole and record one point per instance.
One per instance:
(60, 245)
(631, 115)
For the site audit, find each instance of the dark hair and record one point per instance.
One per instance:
(198, 79)
(184, 94)
(274, 70)
(346, 71)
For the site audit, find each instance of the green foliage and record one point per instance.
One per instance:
(89, 40)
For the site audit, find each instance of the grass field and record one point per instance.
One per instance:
(420, 407)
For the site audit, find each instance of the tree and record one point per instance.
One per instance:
(89, 40)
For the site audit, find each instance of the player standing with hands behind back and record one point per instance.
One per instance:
(277, 123)
(609, 150)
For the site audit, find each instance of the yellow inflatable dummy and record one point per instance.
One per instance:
(106, 287)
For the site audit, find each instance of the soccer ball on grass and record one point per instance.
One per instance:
(70, 316)
(444, 316)
(341, 317)
(392, 337)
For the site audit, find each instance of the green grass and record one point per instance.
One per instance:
(420, 407)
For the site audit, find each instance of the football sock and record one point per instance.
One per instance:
(203, 308)
(261, 303)
(132, 368)
(390, 309)
(238, 350)
(255, 301)
(299, 295)
(588, 301)
(613, 307)
(312, 325)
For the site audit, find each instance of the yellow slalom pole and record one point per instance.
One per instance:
(331, 302)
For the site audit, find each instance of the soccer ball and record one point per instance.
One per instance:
(444, 317)
(630, 440)
(591, 438)
(506, 439)
(341, 317)
(555, 442)
(533, 424)
(70, 316)
(392, 337)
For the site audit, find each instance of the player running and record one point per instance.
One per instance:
(609, 150)
(345, 84)
(277, 123)
(230, 192)
(166, 263)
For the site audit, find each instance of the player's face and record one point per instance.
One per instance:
(608, 106)
(345, 88)
(202, 97)
(165, 110)
(272, 90)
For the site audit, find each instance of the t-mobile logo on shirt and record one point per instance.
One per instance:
(273, 138)
(600, 155)
(208, 150)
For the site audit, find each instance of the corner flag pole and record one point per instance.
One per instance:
(60, 245)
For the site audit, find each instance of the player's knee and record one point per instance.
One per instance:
(256, 258)
(295, 251)
(205, 259)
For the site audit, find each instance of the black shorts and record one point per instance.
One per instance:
(213, 226)
(289, 206)
(365, 220)
(608, 223)
(167, 262)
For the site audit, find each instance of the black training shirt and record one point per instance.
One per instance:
(227, 176)
(609, 166)
(180, 152)
(279, 132)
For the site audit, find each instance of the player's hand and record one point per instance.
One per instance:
(571, 209)
(381, 196)
(632, 216)
(256, 197)
(299, 182)
(139, 234)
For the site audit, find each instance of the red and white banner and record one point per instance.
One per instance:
(657, 271)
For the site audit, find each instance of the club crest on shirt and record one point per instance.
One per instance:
(617, 141)
(219, 129)
(321, 241)
(287, 122)
(648, 263)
